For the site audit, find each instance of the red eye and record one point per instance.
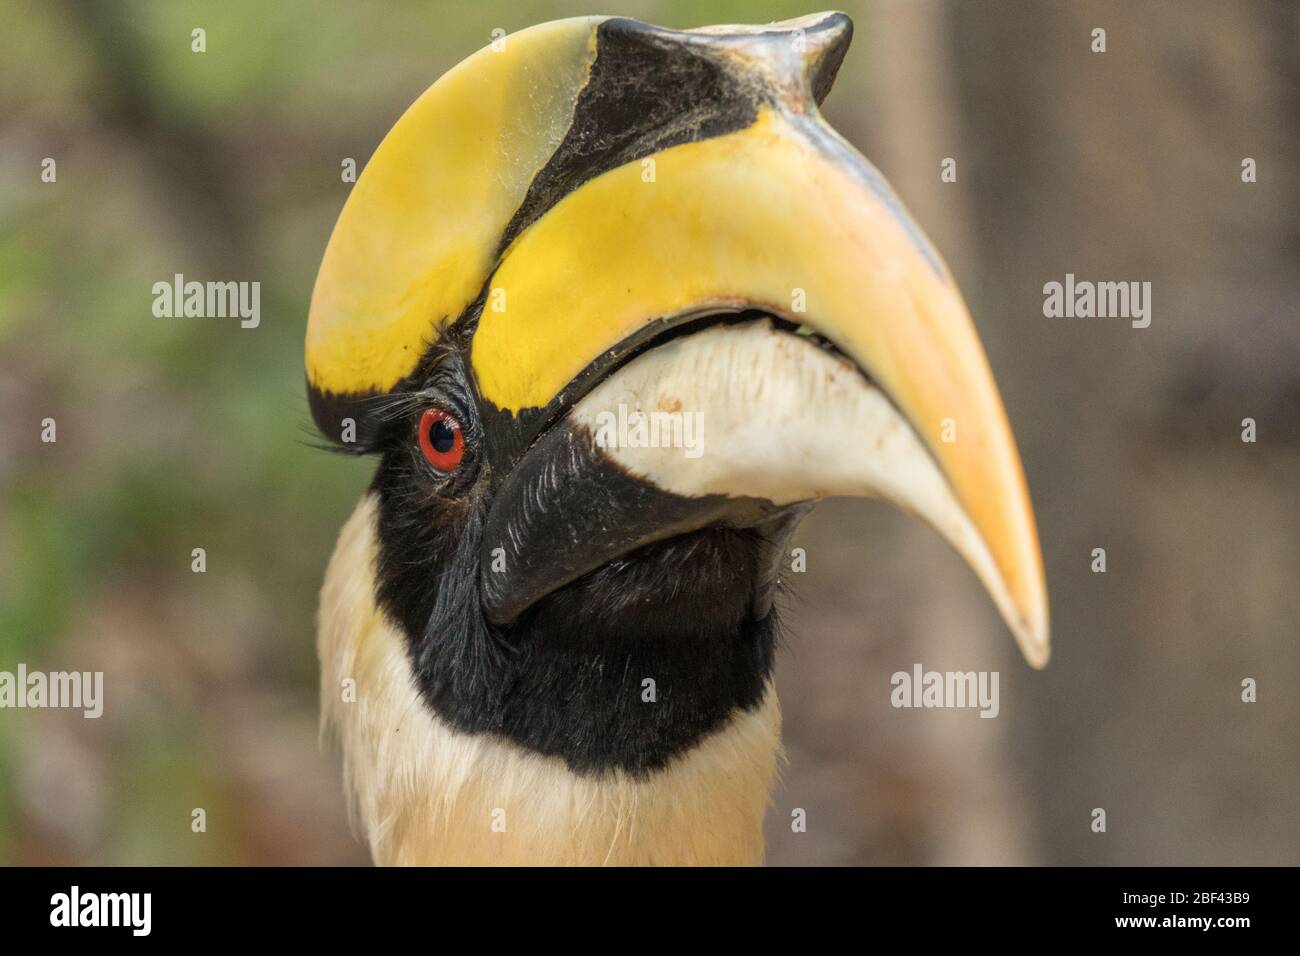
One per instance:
(441, 439)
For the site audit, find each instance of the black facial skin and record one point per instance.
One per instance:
(566, 678)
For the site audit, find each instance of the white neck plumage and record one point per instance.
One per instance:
(427, 794)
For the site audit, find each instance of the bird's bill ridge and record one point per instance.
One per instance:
(785, 218)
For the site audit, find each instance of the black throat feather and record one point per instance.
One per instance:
(625, 668)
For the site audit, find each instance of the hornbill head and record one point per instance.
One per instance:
(614, 306)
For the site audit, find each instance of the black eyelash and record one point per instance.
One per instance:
(442, 384)
(398, 406)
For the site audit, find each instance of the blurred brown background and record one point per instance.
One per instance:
(1123, 165)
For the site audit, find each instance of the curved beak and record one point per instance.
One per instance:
(785, 218)
(563, 202)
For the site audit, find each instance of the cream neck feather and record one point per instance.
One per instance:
(428, 794)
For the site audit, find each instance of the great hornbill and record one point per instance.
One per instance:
(539, 646)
